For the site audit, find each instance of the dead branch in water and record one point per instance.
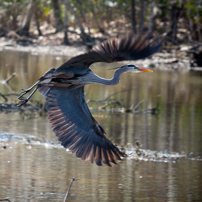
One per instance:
(112, 103)
(4, 96)
(5, 200)
(9, 78)
(115, 104)
(6, 81)
(134, 107)
(107, 98)
(66, 195)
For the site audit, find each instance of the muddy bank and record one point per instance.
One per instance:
(49, 43)
(35, 49)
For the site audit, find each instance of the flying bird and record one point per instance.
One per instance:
(63, 88)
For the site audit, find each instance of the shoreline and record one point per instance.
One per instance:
(62, 50)
(160, 61)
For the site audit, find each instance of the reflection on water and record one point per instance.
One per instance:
(35, 173)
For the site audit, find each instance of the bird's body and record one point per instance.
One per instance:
(68, 112)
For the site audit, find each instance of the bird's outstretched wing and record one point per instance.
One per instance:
(130, 47)
(77, 130)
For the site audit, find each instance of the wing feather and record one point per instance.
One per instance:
(76, 129)
(130, 47)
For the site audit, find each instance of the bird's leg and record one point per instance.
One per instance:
(47, 75)
(27, 90)
(24, 101)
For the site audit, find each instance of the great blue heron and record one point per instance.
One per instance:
(63, 88)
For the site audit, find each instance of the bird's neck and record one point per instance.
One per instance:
(115, 80)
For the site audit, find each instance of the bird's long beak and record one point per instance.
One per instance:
(144, 70)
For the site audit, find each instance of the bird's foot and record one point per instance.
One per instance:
(22, 102)
(24, 92)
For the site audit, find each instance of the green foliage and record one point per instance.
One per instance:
(99, 14)
(192, 8)
(47, 10)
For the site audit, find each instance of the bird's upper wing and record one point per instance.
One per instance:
(130, 47)
(76, 128)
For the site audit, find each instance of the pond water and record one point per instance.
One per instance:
(34, 167)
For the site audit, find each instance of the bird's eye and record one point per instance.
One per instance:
(131, 66)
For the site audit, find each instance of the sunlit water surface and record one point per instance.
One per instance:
(34, 167)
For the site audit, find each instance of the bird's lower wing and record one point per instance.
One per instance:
(77, 130)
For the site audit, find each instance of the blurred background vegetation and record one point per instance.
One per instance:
(85, 21)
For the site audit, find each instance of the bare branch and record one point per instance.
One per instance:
(73, 179)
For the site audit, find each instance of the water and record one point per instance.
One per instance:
(34, 167)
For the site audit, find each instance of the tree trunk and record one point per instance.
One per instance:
(37, 23)
(97, 21)
(83, 14)
(176, 12)
(190, 23)
(133, 18)
(66, 40)
(174, 20)
(56, 10)
(142, 14)
(27, 20)
(151, 22)
(85, 38)
(198, 21)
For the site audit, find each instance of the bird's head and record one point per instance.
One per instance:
(134, 68)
